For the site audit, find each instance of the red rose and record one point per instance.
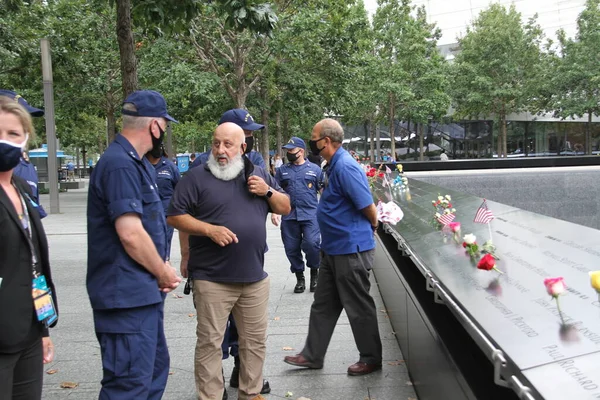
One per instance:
(381, 174)
(487, 262)
(465, 245)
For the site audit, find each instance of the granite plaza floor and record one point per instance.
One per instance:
(78, 354)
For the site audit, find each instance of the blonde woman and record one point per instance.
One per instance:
(25, 278)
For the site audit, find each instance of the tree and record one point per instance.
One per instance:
(497, 62)
(577, 77)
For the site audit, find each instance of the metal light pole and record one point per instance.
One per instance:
(50, 126)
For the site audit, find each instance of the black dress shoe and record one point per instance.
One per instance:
(314, 276)
(266, 387)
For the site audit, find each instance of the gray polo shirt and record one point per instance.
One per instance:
(229, 204)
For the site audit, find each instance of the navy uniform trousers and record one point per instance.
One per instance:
(135, 357)
(298, 236)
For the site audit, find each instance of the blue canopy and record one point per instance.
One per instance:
(43, 153)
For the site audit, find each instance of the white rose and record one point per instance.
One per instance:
(448, 197)
(437, 215)
(432, 201)
(470, 238)
(440, 198)
(454, 210)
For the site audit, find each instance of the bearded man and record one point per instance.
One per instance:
(223, 206)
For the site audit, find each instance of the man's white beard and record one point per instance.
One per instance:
(228, 171)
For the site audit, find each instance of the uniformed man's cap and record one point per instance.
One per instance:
(148, 104)
(295, 142)
(241, 118)
(34, 112)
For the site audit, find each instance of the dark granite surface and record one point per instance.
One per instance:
(570, 194)
(513, 309)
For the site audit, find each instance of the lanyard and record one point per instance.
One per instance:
(28, 229)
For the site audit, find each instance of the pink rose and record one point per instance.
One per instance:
(555, 286)
(454, 226)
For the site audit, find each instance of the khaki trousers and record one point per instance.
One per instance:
(214, 302)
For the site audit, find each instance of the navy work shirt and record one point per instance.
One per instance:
(228, 204)
(167, 176)
(254, 156)
(344, 228)
(301, 183)
(122, 183)
(27, 171)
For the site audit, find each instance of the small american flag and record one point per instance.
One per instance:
(483, 215)
(445, 219)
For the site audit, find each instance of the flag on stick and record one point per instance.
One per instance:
(445, 219)
(483, 214)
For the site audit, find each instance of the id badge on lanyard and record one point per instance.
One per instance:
(40, 292)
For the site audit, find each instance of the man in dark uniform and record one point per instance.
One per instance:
(167, 176)
(243, 119)
(347, 218)
(127, 276)
(302, 180)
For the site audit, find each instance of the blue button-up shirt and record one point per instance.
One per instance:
(122, 183)
(344, 228)
(254, 156)
(167, 176)
(302, 183)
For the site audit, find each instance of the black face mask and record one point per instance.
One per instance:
(313, 146)
(156, 151)
(249, 144)
(292, 156)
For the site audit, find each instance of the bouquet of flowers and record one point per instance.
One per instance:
(444, 212)
(470, 245)
(373, 174)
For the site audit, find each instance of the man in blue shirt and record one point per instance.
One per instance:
(222, 206)
(127, 276)
(70, 171)
(243, 119)
(301, 180)
(348, 219)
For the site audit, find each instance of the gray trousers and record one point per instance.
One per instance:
(344, 284)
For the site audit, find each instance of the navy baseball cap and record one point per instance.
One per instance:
(34, 112)
(148, 104)
(242, 118)
(295, 142)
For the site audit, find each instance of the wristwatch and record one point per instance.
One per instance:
(269, 193)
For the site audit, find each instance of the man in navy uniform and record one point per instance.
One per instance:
(347, 219)
(167, 176)
(127, 275)
(244, 120)
(302, 180)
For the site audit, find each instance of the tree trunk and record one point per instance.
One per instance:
(499, 141)
(286, 131)
(372, 142)
(392, 133)
(366, 127)
(129, 77)
(504, 139)
(111, 124)
(588, 135)
(240, 98)
(83, 159)
(378, 144)
(77, 171)
(264, 137)
(279, 137)
(421, 146)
